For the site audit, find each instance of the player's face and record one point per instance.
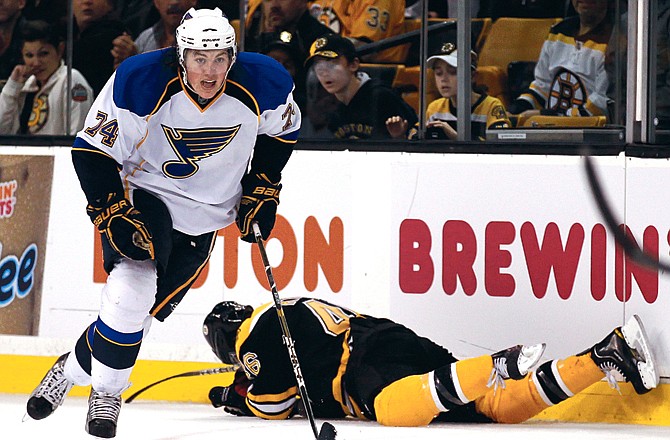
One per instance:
(282, 13)
(445, 79)
(206, 70)
(41, 58)
(334, 74)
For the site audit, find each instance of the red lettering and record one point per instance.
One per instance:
(495, 258)
(541, 259)
(598, 262)
(459, 249)
(625, 269)
(416, 269)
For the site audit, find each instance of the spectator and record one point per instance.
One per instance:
(10, 44)
(365, 104)
(285, 50)
(441, 117)
(34, 100)
(319, 108)
(96, 51)
(268, 18)
(162, 33)
(365, 21)
(570, 77)
(284, 27)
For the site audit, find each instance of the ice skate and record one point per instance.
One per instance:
(625, 354)
(103, 414)
(514, 363)
(51, 391)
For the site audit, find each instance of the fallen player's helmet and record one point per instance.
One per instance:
(205, 29)
(220, 329)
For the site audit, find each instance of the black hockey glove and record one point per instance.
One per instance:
(232, 398)
(122, 226)
(260, 198)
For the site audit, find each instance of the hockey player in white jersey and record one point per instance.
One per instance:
(181, 142)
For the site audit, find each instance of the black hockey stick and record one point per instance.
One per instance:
(328, 431)
(226, 369)
(629, 246)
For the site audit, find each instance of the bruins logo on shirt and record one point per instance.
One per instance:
(194, 145)
(498, 112)
(39, 114)
(327, 16)
(567, 91)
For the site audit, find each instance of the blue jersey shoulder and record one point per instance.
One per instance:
(142, 80)
(267, 80)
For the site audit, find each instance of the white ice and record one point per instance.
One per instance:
(150, 420)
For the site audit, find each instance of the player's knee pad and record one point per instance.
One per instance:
(406, 402)
(128, 295)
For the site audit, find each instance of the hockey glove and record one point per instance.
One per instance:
(122, 226)
(260, 198)
(232, 398)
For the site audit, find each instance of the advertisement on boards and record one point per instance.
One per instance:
(499, 252)
(25, 193)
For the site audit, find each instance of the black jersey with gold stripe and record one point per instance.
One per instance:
(320, 331)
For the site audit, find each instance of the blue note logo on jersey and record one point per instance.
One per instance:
(192, 145)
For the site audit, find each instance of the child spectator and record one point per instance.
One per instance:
(365, 104)
(34, 100)
(441, 116)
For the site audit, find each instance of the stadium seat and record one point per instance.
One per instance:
(509, 40)
(407, 82)
(386, 73)
(539, 121)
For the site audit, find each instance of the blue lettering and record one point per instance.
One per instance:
(17, 277)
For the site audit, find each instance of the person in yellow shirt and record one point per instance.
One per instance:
(441, 115)
(363, 22)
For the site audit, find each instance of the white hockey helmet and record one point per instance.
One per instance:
(205, 29)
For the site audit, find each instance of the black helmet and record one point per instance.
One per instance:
(220, 329)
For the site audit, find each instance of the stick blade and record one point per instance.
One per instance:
(328, 432)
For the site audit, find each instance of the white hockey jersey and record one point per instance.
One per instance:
(49, 111)
(190, 155)
(570, 75)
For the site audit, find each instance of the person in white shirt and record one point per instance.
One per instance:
(35, 98)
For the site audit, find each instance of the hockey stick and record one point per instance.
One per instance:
(629, 246)
(328, 431)
(226, 369)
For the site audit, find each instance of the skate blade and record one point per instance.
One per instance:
(636, 337)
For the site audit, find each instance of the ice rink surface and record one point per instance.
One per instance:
(150, 420)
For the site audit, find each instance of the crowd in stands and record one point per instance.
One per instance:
(567, 77)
